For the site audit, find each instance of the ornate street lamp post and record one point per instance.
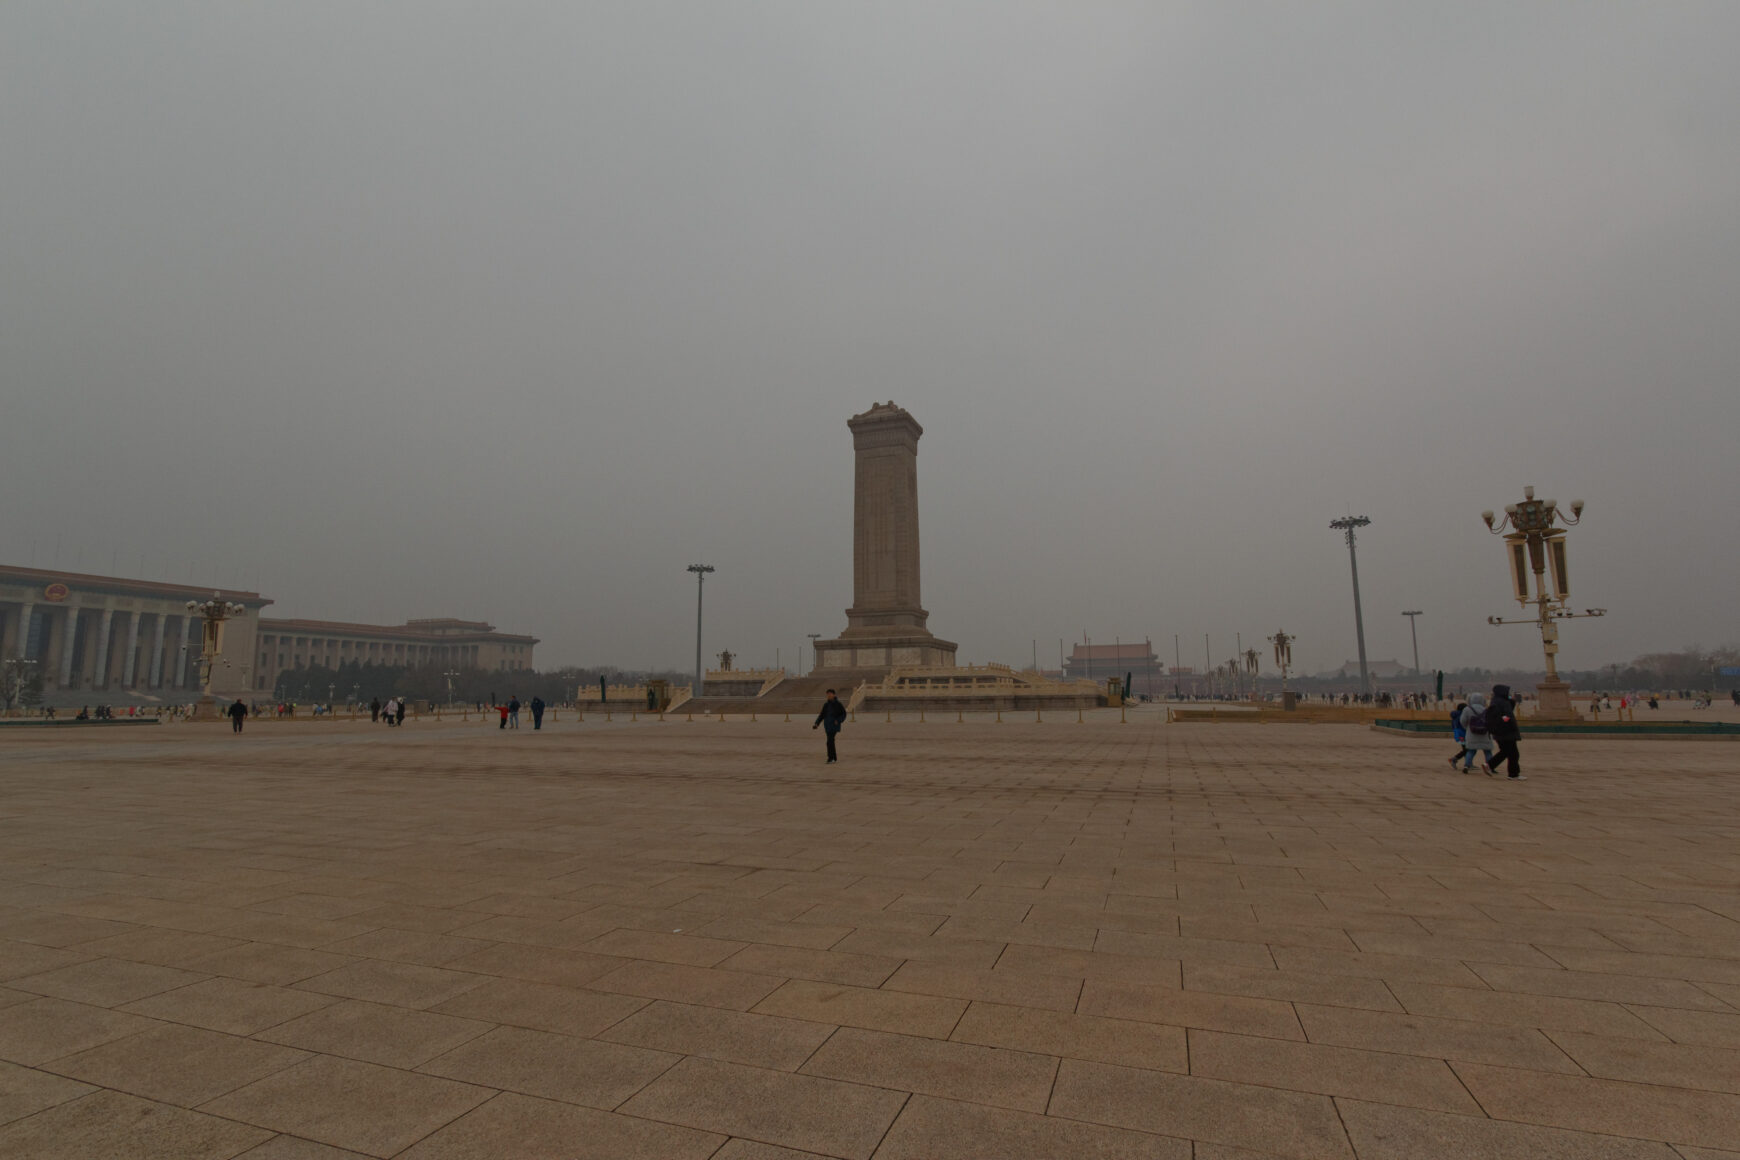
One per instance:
(1283, 660)
(214, 611)
(1534, 546)
(1252, 660)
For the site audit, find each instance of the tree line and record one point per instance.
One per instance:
(1687, 668)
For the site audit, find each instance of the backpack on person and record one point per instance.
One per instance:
(1480, 724)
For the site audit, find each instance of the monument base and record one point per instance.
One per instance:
(866, 655)
(1553, 702)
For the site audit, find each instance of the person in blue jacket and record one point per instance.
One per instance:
(1457, 734)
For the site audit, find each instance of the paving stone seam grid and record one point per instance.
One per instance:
(48, 1066)
(1466, 961)
(201, 1110)
(495, 1093)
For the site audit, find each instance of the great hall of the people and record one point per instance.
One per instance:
(121, 636)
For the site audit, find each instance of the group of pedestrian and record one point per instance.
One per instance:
(392, 710)
(1487, 728)
(510, 712)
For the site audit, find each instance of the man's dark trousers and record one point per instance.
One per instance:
(1507, 751)
(236, 724)
(832, 733)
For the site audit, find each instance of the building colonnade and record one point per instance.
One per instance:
(82, 647)
(281, 652)
(285, 645)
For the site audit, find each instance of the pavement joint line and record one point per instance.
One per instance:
(1239, 821)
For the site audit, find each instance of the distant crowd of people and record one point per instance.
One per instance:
(1381, 699)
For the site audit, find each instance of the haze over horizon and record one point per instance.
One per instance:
(512, 312)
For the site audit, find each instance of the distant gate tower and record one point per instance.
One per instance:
(885, 626)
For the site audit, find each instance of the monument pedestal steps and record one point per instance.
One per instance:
(792, 695)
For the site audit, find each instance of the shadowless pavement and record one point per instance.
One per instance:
(675, 940)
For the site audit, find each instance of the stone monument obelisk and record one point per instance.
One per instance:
(885, 626)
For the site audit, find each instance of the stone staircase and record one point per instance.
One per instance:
(792, 695)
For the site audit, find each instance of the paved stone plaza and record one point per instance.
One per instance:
(688, 940)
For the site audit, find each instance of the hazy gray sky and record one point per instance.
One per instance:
(512, 311)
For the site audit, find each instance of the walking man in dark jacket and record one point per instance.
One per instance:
(238, 713)
(537, 712)
(829, 720)
(1501, 724)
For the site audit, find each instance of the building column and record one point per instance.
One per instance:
(50, 634)
(129, 668)
(69, 633)
(181, 654)
(22, 642)
(155, 678)
(100, 665)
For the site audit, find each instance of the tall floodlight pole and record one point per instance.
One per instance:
(700, 571)
(1348, 524)
(1414, 633)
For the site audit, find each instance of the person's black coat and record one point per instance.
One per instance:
(832, 717)
(1501, 715)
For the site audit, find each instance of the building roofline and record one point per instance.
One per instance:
(343, 628)
(1140, 649)
(121, 584)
